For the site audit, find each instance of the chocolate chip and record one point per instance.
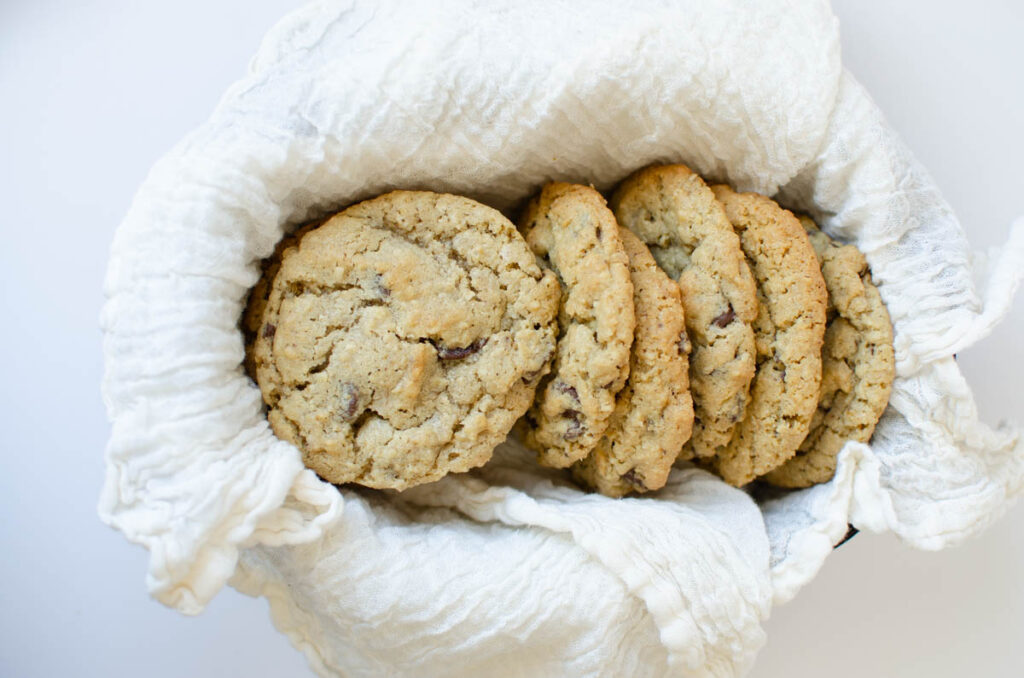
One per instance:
(684, 344)
(575, 429)
(724, 319)
(269, 330)
(349, 397)
(445, 353)
(631, 478)
(565, 388)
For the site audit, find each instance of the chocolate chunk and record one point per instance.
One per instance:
(575, 429)
(269, 330)
(445, 353)
(349, 397)
(724, 319)
(631, 478)
(565, 388)
(684, 344)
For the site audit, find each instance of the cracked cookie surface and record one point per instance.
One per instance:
(676, 215)
(401, 339)
(788, 331)
(574, 234)
(858, 364)
(653, 413)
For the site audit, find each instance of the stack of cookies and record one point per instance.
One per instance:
(401, 339)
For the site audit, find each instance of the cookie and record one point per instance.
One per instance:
(789, 330)
(259, 295)
(858, 364)
(654, 411)
(676, 215)
(574, 234)
(400, 340)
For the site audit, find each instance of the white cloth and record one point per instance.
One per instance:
(510, 570)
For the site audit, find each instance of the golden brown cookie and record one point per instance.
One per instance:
(400, 340)
(671, 210)
(575, 235)
(858, 364)
(789, 331)
(654, 411)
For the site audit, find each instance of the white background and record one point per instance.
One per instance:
(91, 93)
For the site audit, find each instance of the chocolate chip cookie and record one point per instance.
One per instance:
(857, 364)
(654, 411)
(789, 330)
(672, 210)
(400, 340)
(574, 234)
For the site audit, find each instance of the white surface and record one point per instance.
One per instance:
(73, 601)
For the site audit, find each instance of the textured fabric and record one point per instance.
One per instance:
(511, 570)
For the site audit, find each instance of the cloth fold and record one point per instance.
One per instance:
(510, 569)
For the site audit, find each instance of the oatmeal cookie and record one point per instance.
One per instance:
(654, 411)
(858, 364)
(789, 330)
(400, 340)
(676, 215)
(574, 234)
